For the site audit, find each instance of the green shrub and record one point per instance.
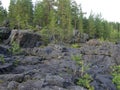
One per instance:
(15, 48)
(16, 62)
(78, 59)
(2, 60)
(116, 76)
(75, 45)
(1, 81)
(84, 79)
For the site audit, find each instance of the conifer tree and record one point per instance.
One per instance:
(39, 14)
(107, 30)
(22, 12)
(74, 14)
(64, 13)
(99, 27)
(91, 26)
(80, 20)
(12, 14)
(3, 14)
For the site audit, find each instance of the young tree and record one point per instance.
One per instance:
(42, 13)
(74, 15)
(91, 26)
(25, 13)
(80, 19)
(99, 27)
(3, 14)
(21, 13)
(64, 17)
(39, 14)
(107, 30)
(64, 13)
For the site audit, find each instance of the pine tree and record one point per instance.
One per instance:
(107, 30)
(64, 17)
(42, 13)
(91, 26)
(64, 13)
(80, 20)
(74, 14)
(39, 14)
(3, 14)
(21, 13)
(99, 27)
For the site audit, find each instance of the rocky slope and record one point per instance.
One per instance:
(52, 67)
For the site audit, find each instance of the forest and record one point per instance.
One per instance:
(57, 18)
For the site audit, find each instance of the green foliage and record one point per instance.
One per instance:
(20, 13)
(46, 34)
(81, 20)
(16, 62)
(15, 48)
(116, 76)
(98, 26)
(84, 79)
(1, 81)
(78, 59)
(60, 17)
(11, 14)
(91, 26)
(75, 45)
(39, 15)
(62, 13)
(2, 60)
(3, 14)
(114, 35)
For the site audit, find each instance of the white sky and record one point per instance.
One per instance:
(108, 8)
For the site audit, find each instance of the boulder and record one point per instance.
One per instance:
(118, 42)
(24, 38)
(55, 80)
(4, 50)
(93, 42)
(6, 23)
(76, 88)
(79, 37)
(103, 82)
(84, 37)
(12, 85)
(4, 33)
(31, 85)
(6, 68)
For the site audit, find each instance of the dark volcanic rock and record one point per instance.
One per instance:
(4, 50)
(4, 33)
(12, 85)
(79, 38)
(52, 67)
(6, 68)
(31, 85)
(103, 82)
(25, 39)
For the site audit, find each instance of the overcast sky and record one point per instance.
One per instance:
(108, 8)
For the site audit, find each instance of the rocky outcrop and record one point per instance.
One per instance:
(79, 37)
(53, 68)
(24, 39)
(4, 49)
(4, 33)
(99, 55)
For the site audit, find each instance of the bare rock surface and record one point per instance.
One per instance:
(53, 68)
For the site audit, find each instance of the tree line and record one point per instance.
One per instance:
(57, 18)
